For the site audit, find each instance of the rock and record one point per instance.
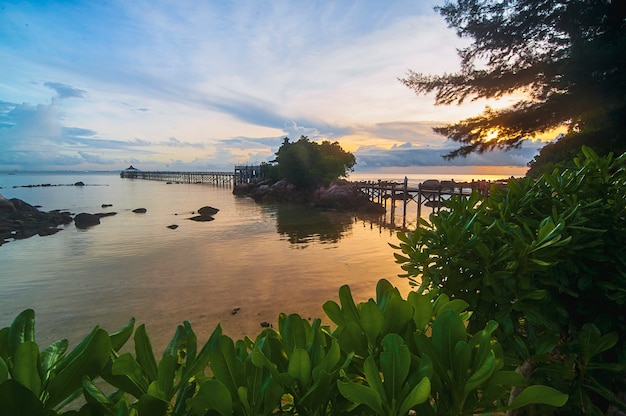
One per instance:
(19, 219)
(208, 211)
(84, 220)
(202, 218)
(234, 311)
(106, 205)
(6, 206)
(172, 227)
(79, 183)
(266, 324)
(140, 210)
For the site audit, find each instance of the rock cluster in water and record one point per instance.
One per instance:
(340, 195)
(19, 219)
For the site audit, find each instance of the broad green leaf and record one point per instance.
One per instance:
(397, 314)
(348, 307)
(25, 366)
(422, 309)
(119, 337)
(458, 305)
(293, 333)
(88, 358)
(507, 378)
(166, 374)
(372, 376)
(212, 395)
(333, 311)
(144, 353)
(126, 365)
(93, 393)
(448, 329)
(482, 374)
(372, 319)
(17, 400)
(461, 362)
(153, 406)
(539, 395)
(21, 330)
(358, 393)
(51, 355)
(300, 366)
(419, 394)
(395, 361)
(225, 365)
(203, 357)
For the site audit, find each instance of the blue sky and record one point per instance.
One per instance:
(204, 85)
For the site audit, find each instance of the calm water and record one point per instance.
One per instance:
(263, 259)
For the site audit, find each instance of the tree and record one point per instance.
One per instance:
(308, 164)
(566, 57)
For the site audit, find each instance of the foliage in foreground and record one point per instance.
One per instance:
(545, 259)
(385, 357)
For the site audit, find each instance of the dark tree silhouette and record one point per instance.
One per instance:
(309, 164)
(566, 57)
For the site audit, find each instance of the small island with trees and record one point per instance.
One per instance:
(308, 172)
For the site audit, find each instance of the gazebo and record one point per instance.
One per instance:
(129, 172)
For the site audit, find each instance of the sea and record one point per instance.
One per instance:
(241, 270)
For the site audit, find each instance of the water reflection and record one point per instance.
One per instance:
(302, 225)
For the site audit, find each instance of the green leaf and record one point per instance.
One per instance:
(482, 374)
(395, 361)
(300, 366)
(422, 309)
(153, 406)
(397, 314)
(448, 329)
(372, 376)
(419, 394)
(539, 395)
(212, 395)
(145, 355)
(333, 311)
(25, 368)
(17, 400)
(372, 320)
(21, 330)
(121, 336)
(349, 309)
(166, 374)
(88, 358)
(358, 393)
(51, 355)
(126, 365)
(293, 333)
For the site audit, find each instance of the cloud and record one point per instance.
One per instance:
(407, 154)
(65, 91)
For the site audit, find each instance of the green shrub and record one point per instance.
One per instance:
(545, 259)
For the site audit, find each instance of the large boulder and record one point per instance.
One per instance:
(84, 220)
(6, 206)
(345, 196)
(208, 211)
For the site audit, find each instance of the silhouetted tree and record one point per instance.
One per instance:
(566, 56)
(308, 164)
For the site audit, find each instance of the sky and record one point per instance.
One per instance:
(204, 85)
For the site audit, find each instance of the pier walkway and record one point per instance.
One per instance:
(241, 174)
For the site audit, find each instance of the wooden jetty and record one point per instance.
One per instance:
(241, 174)
(431, 193)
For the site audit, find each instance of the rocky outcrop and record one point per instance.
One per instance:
(140, 210)
(19, 219)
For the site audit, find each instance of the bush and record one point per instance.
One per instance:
(543, 258)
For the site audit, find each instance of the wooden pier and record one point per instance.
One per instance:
(241, 174)
(431, 193)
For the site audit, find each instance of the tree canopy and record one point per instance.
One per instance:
(565, 57)
(308, 164)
